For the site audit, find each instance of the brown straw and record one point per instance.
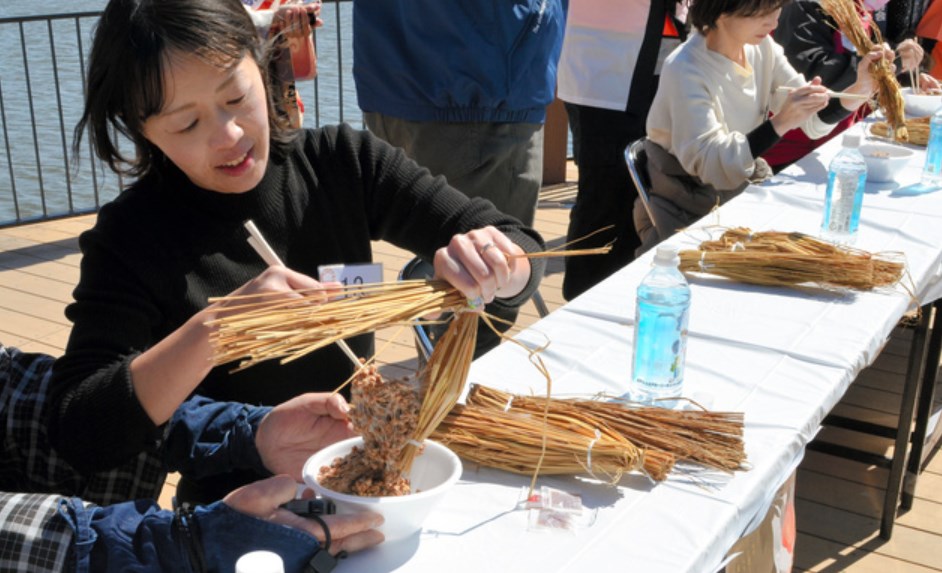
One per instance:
(713, 439)
(889, 97)
(774, 258)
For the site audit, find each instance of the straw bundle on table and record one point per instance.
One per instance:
(787, 259)
(261, 327)
(713, 439)
(575, 444)
(847, 17)
(917, 128)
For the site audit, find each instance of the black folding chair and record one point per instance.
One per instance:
(425, 337)
(637, 161)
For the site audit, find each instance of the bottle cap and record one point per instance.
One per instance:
(851, 140)
(260, 562)
(666, 255)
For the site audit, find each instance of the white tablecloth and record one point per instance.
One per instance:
(783, 357)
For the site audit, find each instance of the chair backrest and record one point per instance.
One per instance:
(637, 161)
(426, 335)
(418, 268)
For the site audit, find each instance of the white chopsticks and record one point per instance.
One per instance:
(271, 258)
(830, 93)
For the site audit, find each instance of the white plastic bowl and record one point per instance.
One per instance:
(884, 160)
(433, 474)
(920, 105)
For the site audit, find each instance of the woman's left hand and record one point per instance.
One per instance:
(480, 263)
(929, 85)
(294, 20)
(293, 430)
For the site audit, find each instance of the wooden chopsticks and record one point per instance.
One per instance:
(830, 93)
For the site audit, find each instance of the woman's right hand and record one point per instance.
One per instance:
(280, 279)
(800, 104)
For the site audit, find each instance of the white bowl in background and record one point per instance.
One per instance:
(920, 105)
(884, 160)
(433, 473)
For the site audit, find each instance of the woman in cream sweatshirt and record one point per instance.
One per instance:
(726, 95)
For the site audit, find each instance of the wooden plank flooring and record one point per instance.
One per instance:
(839, 501)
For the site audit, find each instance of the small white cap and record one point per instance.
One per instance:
(851, 140)
(666, 255)
(260, 562)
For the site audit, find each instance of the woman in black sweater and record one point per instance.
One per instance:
(184, 81)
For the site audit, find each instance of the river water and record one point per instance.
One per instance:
(35, 135)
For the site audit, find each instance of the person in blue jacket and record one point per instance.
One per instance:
(62, 532)
(462, 88)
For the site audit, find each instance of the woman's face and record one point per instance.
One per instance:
(214, 123)
(748, 29)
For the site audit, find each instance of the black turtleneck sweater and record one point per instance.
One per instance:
(164, 246)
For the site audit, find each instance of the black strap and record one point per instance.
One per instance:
(323, 561)
(185, 525)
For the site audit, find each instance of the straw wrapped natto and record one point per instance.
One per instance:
(846, 15)
(385, 413)
(713, 439)
(395, 415)
(774, 258)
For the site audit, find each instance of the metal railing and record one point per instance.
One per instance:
(42, 82)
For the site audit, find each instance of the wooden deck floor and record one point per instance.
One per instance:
(839, 501)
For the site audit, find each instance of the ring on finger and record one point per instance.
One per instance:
(484, 249)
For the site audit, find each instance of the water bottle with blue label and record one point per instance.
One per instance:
(661, 314)
(847, 178)
(932, 172)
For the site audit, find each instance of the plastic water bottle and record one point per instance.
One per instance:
(932, 172)
(661, 314)
(260, 562)
(847, 177)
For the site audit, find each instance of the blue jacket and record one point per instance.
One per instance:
(457, 61)
(203, 437)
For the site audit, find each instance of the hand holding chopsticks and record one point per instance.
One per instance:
(268, 254)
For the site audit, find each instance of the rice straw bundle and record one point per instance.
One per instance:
(442, 379)
(264, 326)
(917, 129)
(787, 259)
(713, 439)
(260, 327)
(847, 17)
(575, 444)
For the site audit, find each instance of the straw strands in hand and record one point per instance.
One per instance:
(713, 439)
(786, 259)
(258, 327)
(847, 17)
(442, 379)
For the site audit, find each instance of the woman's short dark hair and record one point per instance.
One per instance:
(703, 14)
(133, 42)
